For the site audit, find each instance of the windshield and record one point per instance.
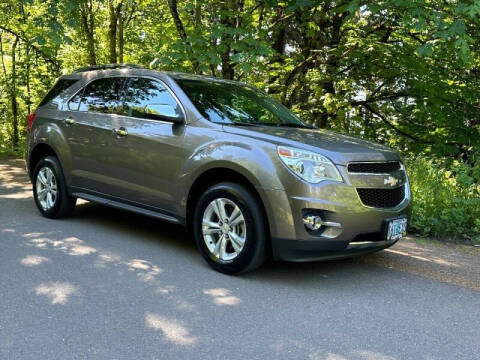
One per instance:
(229, 103)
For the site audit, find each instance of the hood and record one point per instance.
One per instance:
(340, 149)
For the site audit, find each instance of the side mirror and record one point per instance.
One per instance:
(164, 112)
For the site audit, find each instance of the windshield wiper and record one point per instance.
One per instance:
(250, 123)
(293, 125)
(239, 123)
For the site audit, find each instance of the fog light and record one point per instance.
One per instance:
(313, 222)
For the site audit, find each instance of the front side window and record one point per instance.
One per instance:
(148, 99)
(101, 95)
(231, 103)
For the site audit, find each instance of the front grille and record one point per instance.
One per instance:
(374, 167)
(381, 198)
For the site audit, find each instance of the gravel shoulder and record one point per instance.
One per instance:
(451, 263)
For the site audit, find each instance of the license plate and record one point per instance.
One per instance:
(396, 228)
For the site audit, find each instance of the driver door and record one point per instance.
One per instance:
(149, 151)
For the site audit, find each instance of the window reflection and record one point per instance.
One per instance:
(102, 95)
(147, 98)
(227, 102)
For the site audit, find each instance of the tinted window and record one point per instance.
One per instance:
(237, 103)
(101, 95)
(60, 86)
(149, 99)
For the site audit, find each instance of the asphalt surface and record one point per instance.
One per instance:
(105, 284)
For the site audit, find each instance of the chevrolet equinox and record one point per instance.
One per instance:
(246, 176)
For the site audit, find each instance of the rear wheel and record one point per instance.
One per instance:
(230, 228)
(50, 190)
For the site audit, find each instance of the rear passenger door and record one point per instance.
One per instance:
(151, 150)
(88, 123)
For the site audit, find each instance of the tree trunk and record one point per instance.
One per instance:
(278, 45)
(88, 24)
(13, 94)
(27, 78)
(121, 39)
(228, 21)
(112, 32)
(92, 56)
(173, 6)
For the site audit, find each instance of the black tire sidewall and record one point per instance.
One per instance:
(254, 221)
(52, 163)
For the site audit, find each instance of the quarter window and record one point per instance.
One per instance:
(148, 99)
(59, 87)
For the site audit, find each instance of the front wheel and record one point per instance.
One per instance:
(50, 190)
(230, 228)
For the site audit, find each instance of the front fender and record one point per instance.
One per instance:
(254, 162)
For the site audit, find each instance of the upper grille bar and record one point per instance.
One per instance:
(374, 167)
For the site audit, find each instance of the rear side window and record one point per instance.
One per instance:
(101, 95)
(60, 86)
(148, 99)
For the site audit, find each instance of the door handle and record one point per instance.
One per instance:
(68, 121)
(121, 132)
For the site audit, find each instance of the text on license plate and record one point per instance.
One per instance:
(396, 229)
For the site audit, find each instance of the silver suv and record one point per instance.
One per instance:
(246, 176)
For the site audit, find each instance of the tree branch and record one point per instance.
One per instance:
(384, 119)
(35, 48)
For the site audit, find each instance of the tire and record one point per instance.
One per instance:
(61, 204)
(253, 229)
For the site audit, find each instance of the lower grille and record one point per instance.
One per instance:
(381, 198)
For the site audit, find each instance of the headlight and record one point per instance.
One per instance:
(309, 166)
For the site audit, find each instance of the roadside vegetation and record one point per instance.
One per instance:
(446, 197)
(404, 73)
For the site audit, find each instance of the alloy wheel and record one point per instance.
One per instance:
(224, 229)
(46, 188)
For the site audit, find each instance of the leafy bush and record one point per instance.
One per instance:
(446, 198)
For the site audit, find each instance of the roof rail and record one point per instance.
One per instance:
(108, 67)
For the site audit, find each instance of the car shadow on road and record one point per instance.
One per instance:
(142, 227)
(151, 230)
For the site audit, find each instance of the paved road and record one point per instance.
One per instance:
(105, 284)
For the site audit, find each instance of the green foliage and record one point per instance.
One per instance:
(446, 198)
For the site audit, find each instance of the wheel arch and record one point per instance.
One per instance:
(40, 151)
(216, 175)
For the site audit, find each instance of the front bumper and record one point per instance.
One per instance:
(305, 250)
(360, 228)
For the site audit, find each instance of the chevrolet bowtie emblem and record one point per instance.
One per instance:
(390, 181)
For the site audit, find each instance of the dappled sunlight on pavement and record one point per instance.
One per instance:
(14, 180)
(145, 270)
(171, 329)
(314, 353)
(222, 297)
(71, 245)
(56, 292)
(34, 260)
